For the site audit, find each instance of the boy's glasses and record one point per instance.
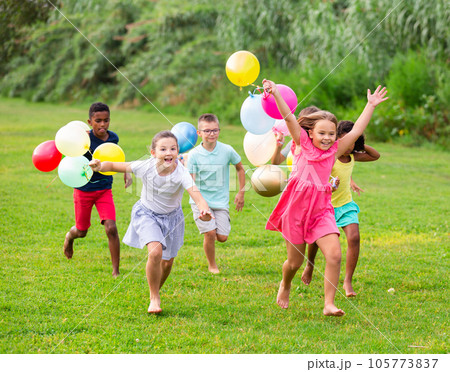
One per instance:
(210, 131)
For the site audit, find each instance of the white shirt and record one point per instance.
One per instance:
(161, 194)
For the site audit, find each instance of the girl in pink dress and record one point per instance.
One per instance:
(304, 213)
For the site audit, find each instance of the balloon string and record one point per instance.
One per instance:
(52, 182)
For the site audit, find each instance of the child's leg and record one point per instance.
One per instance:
(153, 271)
(353, 241)
(73, 234)
(295, 256)
(309, 268)
(209, 246)
(331, 249)
(83, 203)
(114, 244)
(166, 267)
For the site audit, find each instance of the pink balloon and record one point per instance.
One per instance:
(281, 127)
(269, 105)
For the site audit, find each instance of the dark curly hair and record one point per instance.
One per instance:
(97, 107)
(345, 126)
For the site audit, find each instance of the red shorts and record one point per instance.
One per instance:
(85, 200)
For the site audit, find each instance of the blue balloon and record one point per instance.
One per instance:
(253, 116)
(186, 135)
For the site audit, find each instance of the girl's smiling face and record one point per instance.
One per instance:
(165, 152)
(323, 135)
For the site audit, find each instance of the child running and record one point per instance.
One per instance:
(304, 213)
(209, 165)
(345, 209)
(98, 191)
(157, 220)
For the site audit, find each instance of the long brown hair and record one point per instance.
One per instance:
(308, 122)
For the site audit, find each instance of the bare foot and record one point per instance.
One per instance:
(307, 273)
(283, 296)
(115, 273)
(154, 307)
(349, 292)
(214, 269)
(332, 310)
(68, 247)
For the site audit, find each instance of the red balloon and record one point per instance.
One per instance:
(46, 156)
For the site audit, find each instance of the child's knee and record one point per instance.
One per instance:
(210, 235)
(334, 256)
(295, 263)
(110, 228)
(222, 238)
(154, 251)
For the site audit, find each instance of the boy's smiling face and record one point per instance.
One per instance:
(100, 123)
(208, 131)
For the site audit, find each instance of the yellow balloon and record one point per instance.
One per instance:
(242, 68)
(268, 180)
(289, 160)
(109, 152)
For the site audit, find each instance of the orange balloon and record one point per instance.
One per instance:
(242, 68)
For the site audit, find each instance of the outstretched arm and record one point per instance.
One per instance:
(109, 166)
(202, 205)
(373, 100)
(289, 118)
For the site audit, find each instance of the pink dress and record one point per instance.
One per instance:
(304, 212)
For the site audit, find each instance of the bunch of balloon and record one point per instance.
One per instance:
(186, 135)
(73, 141)
(109, 152)
(259, 148)
(253, 117)
(46, 156)
(270, 107)
(75, 171)
(268, 180)
(242, 68)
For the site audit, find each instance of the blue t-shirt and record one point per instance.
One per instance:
(99, 181)
(212, 173)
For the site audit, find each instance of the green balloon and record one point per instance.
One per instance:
(75, 171)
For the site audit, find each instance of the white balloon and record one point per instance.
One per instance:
(72, 140)
(259, 148)
(82, 124)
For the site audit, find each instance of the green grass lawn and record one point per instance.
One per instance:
(51, 304)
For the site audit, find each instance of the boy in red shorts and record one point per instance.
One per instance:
(97, 191)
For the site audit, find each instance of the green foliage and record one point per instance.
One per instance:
(172, 53)
(54, 305)
(411, 78)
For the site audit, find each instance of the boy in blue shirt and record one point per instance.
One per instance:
(209, 166)
(97, 191)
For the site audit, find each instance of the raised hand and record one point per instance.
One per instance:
(269, 86)
(377, 97)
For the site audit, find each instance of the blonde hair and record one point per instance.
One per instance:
(308, 122)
